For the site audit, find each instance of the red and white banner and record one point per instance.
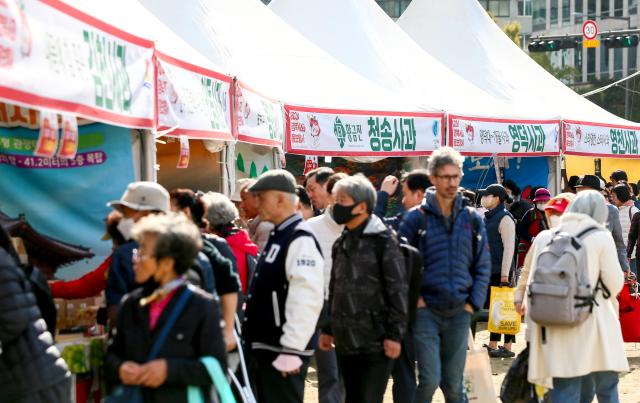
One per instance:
(53, 56)
(504, 137)
(193, 101)
(183, 160)
(69, 144)
(600, 140)
(260, 120)
(48, 138)
(327, 132)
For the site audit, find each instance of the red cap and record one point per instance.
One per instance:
(558, 204)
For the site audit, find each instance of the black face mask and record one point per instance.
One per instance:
(342, 214)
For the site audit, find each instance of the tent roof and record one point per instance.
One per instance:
(361, 35)
(461, 35)
(268, 55)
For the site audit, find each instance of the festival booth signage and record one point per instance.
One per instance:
(486, 137)
(259, 119)
(193, 101)
(600, 140)
(54, 56)
(326, 132)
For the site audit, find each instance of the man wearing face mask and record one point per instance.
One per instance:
(367, 294)
(533, 222)
(139, 200)
(501, 231)
(285, 296)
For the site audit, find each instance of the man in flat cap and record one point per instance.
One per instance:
(285, 297)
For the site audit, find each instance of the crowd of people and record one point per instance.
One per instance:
(289, 272)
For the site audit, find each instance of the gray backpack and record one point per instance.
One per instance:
(560, 293)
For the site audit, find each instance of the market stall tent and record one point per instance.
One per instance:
(361, 35)
(463, 37)
(329, 109)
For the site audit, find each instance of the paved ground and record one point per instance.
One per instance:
(629, 383)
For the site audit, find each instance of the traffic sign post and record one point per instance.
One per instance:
(590, 33)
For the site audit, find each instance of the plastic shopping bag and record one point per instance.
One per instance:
(478, 384)
(503, 317)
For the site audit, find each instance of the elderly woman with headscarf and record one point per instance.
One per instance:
(168, 245)
(578, 361)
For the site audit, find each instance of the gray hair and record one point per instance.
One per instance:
(177, 238)
(591, 203)
(444, 156)
(220, 210)
(359, 188)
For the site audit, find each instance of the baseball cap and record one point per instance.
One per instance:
(560, 202)
(496, 190)
(143, 196)
(590, 181)
(619, 175)
(278, 179)
(542, 195)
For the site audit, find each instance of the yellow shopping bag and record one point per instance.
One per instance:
(503, 317)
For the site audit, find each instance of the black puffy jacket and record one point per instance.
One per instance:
(368, 290)
(29, 363)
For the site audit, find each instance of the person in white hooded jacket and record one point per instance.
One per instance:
(580, 361)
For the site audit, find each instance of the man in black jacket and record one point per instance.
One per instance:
(31, 370)
(367, 294)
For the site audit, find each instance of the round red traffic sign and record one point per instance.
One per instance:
(589, 29)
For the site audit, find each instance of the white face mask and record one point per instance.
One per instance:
(487, 202)
(125, 226)
(554, 221)
(541, 206)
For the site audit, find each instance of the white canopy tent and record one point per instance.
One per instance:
(463, 37)
(330, 110)
(361, 35)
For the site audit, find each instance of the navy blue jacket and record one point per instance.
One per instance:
(380, 210)
(121, 279)
(453, 276)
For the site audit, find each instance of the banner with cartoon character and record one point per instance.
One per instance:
(193, 101)
(56, 57)
(485, 137)
(259, 119)
(324, 132)
(581, 138)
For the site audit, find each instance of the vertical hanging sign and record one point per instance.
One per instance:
(48, 138)
(183, 162)
(310, 163)
(69, 143)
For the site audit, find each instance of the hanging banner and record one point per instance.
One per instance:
(480, 172)
(517, 138)
(45, 188)
(69, 144)
(310, 163)
(259, 119)
(252, 160)
(48, 135)
(196, 102)
(581, 138)
(316, 131)
(57, 57)
(183, 161)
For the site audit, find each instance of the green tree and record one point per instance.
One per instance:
(513, 30)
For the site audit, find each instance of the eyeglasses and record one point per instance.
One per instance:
(449, 178)
(139, 257)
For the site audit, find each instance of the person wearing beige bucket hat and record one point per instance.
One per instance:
(139, 200)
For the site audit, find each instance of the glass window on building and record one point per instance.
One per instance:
(566, 10)
(577, 63)
(604, 62)
(539, 13)
(633, 7)
(604, 7)
(617, 8)
(591, 63)
(524, 7)
(499, 8)
(591, 9)
(394, 8)
(553, 11)
(632, 64)
(578, 11)
(617, 63)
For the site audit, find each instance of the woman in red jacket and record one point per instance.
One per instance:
(221, 215)
(94, 282)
